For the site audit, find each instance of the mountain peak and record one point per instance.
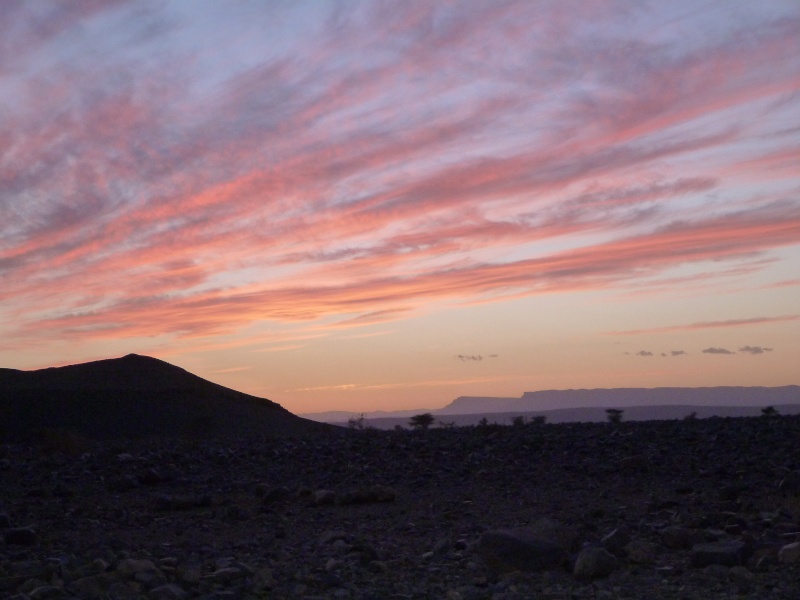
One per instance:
(136, 396)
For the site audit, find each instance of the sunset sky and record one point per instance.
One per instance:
(379, 205)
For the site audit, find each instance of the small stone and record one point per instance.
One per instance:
(616, 541)
(332, 535)
(676, 538)
(130, 567)
(555, 532)
(191, 572)
(125, 590)
(594, 563)
(98, 565)
(45, 591)
(93, 586)
(123, 483)
(225, 575)
(323, 498)
(377, 566)
(790, 553)
(333, 564)
(20, 536)
(371, 495)
(790, 485)
(150, 477)
(642, 552)
(728, 554)
(30, 585)
(742, 577)
(276, 494)
(262, 580)
(169, 591)
(634, 464)
(517, 550)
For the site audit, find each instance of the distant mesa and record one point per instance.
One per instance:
(626, 397)
(587, 405)
(134, 397)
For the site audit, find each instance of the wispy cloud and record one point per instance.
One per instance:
(231, 370)
(710, 325)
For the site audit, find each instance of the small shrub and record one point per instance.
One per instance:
(539, 420)
(518, 421)
(614, 415)
(769, 411)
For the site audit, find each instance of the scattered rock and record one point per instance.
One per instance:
(594, 563)
(20, 536)
(168, 591)
(550, 530)
(677, 538)
(790, 485)
(728, 554)
(517, 550)
(616, 541)
(642, 552)
(275, 494)
(370, 495)
(790, 553)
(634, 464)
(323, 497)
(224, 575)
(130, 567)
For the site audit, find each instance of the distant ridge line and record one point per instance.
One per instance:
(622, 397)
(634, 400)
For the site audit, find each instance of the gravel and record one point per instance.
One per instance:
(665, 509)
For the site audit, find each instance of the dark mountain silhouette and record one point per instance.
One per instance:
(132, 397)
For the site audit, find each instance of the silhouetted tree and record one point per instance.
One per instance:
(539, 420)
(518, 420)
(356, 422)
(769, 411)
(422, 421)
(614, 415)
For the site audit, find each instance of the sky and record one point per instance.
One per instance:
(383, 205)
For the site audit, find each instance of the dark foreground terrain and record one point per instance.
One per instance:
(694, 509)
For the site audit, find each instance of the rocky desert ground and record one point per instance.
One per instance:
(686, 509)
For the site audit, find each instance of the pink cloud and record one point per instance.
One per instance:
(390, 161)
(599, 266)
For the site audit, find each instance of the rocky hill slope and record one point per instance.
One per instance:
(133, 397)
